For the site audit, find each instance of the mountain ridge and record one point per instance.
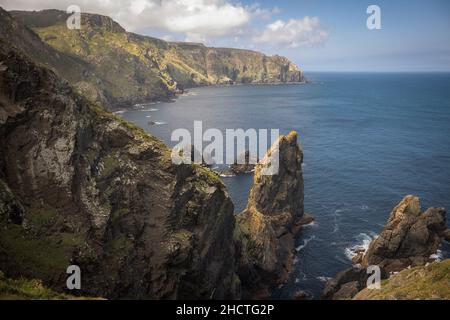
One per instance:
(150, 69)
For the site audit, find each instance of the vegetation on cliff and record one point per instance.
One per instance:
(431, 282)
(119, 68)
(25, 289)
(80, 186)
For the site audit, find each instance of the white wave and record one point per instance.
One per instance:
(311, 224)
(324, 279)
(148, 116)
(364, 207)
(305, 243)
(335, 227)
(190, 93)
(157, 123)
(438, 256)
(119, 112)
(149, 110)
(363, 242)
(227, 175)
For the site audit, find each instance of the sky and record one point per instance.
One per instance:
(318, 35)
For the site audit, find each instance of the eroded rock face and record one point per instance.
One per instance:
(409, 237)
(80, 186)
(267, 227)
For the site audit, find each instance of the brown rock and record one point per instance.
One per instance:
(275, 205)
(409, 237)
(80, 186)
(246, 166)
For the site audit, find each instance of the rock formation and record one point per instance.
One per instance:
(267, 227)
(408, 239)
(81, 186)
(245, 165)
(119, 69)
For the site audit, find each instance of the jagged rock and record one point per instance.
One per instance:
(447, 235)
(302, 295)
(266, 228)
(409, 237)
(80, 186)
(245, 166)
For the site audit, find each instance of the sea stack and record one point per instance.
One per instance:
(409, 239)
(267, 227)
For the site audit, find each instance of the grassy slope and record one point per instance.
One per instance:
(430, 282)
(130, 68)
(23, 289)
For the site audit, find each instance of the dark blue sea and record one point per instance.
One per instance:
(368, 140)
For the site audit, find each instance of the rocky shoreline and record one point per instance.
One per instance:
(409, 239)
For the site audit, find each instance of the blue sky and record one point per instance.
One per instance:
(415, 35)
(318, 35)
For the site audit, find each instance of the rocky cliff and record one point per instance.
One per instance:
(119, 69)
(267, 227)
(80, 186)
(409, 239)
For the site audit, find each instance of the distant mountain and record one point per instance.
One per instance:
(118, 68)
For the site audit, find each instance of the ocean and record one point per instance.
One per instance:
(368, 140)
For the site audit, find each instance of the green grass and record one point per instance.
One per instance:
(33, 289)
(430, 282)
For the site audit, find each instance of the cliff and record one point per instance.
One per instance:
(119, 68)
(80, 186)
(409, 239)
(266, 229)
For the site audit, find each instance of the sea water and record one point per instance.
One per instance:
(368, 140)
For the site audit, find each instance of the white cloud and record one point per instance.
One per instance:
(207, 21)
(294, 33)
(195, 17)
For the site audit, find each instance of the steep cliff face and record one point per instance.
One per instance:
(408, 239)
(125, 68)
(267, 227)
(79, 186)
